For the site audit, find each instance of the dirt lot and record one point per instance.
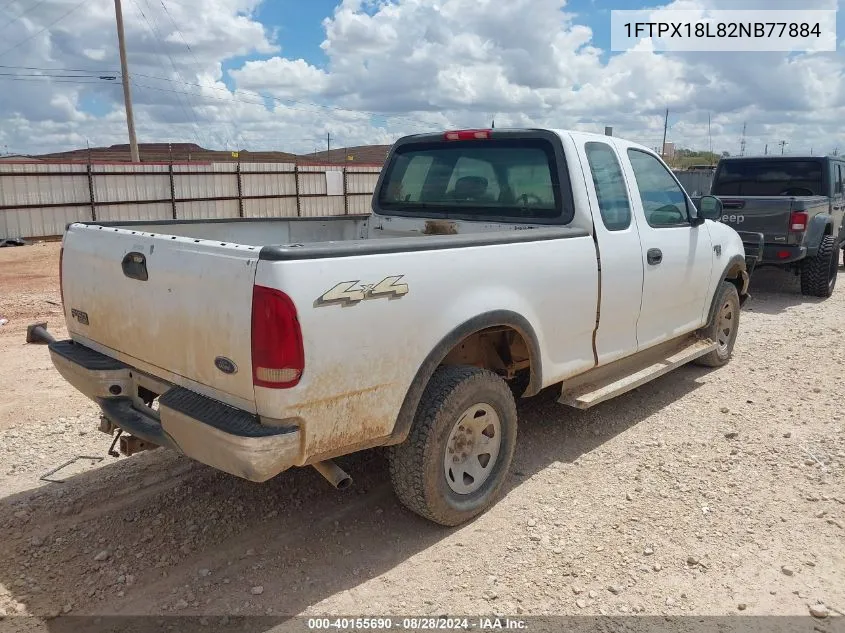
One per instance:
(705, 492)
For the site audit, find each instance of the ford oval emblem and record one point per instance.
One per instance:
(226, 365)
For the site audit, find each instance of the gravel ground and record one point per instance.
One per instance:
(704, 492)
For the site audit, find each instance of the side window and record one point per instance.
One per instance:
(664, 202)
(613, 200)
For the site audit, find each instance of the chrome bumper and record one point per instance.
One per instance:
(211, 432)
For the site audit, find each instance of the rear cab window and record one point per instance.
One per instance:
(769, 177)
(500, 179)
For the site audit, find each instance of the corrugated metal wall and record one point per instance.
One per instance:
(40, 199)
(697, 183)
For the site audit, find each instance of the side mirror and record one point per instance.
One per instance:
(710, 207)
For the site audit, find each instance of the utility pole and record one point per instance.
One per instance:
(766, 152)
(665, 127)
(328, 144)
(127, 94)
(782, 144)
(742, 142)
(710, 137)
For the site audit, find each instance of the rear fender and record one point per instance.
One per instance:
(435, 358)
(815, 231)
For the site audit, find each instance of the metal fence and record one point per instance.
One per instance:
(697, 183)
(40, 199)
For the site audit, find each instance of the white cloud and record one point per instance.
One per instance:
(419, 64)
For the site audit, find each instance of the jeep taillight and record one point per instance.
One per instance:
(798, 221)
(278, 357)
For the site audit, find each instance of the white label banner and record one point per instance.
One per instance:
(676, 30)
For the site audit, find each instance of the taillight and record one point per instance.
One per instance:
(798, 221)
(278, 357)
(467, 135)
(61, 271)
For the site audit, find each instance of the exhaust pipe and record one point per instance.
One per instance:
(37, 333)
(335, 475)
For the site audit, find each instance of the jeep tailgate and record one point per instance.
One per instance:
(766, 215)
(176, 307)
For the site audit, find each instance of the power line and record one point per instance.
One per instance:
(258, 102)
(39, 32)
(187, 111)
(70, 70)
(36, 79)
(197, 65)
(417, 122)
(179, 74)
(15, 19)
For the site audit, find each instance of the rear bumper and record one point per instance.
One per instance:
(216, 434)
(783, 254)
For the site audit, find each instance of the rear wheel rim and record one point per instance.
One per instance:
(726, 324)
(472, 449)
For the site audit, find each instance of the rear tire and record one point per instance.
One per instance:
(818, 274)
(723, 326)
(455, 460)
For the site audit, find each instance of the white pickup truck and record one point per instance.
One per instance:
(495, 263)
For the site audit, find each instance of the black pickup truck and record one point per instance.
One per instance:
(794, 206)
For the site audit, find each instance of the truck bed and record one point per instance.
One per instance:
(174, 298)
(255, 231)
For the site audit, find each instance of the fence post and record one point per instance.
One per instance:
(91, 192)
(172, 191)
(296, 184)
(240, 191)
(345, 193)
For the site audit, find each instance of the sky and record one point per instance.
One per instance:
(284, 74)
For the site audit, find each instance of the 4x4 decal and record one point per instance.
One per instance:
(350, 292)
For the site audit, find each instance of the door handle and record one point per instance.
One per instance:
(654, 256)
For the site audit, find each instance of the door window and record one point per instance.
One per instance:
(610, 186)
(663, 199)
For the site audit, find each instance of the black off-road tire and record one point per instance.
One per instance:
(416, 465)
(725, 304)
(818, 274)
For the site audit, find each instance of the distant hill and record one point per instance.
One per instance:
(375, 154)
(191, 152)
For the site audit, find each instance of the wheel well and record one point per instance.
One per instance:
(828, 229)
(501, 349)
(737, 275)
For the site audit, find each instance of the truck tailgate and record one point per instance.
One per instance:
(176, 307)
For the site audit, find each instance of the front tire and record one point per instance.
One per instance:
(455, 460)
(818, 275)
(723, 326)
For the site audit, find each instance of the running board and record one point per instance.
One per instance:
(609, 381)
